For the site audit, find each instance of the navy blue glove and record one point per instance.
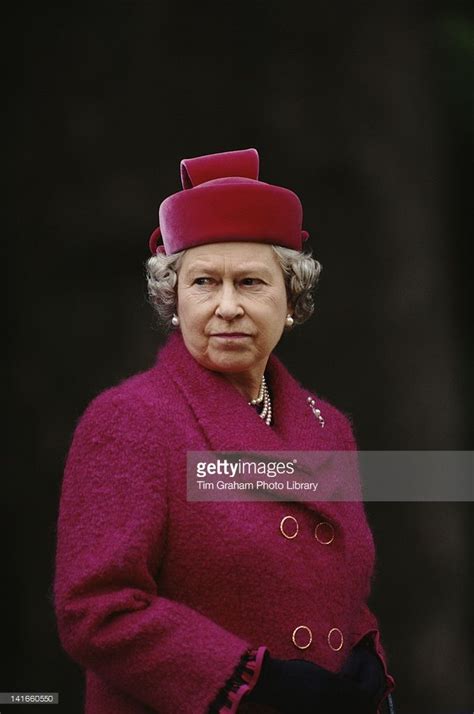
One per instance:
(365, 667)
(296, 686)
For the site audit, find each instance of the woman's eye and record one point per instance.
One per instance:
(251, 281)
(202, 281)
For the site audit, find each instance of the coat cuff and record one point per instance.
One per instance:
(373, 636)
(242, 681)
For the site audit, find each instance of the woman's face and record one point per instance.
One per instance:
(232, 305)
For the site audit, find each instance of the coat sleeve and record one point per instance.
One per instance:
(111, 536)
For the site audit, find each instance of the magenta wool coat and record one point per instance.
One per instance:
(157, 598)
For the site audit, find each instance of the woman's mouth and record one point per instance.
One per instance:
(230, 335)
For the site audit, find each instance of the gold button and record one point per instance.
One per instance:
(290, 518)
(309, 637)
(324, 533)
(335, 639)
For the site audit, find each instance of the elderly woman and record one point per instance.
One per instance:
(174, 606)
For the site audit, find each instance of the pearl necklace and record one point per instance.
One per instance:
(263, 398)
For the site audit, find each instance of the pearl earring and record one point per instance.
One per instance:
(289, 321)
(175, 321)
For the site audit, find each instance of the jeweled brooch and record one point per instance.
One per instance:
(316, 411)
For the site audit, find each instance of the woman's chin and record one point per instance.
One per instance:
(230, 367)
(229, 361)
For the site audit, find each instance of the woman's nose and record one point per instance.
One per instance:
(229, 306)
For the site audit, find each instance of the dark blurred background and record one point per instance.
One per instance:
(366, 111)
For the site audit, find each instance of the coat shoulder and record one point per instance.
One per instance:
(136, 408)
(338, 427)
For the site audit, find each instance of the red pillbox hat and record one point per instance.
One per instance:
(223, 200)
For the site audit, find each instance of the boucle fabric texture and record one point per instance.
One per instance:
(158, 598)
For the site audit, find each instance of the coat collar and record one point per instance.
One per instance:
(230, 424)
(228, 421)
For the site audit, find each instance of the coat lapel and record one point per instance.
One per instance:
(230, 424)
